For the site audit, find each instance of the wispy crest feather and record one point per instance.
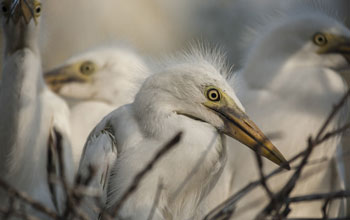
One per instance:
(198, 52)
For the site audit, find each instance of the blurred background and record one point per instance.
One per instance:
(155, 27)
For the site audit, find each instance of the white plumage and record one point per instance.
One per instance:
(94, 83)
(288, 84)
(187, 96)
(31, 116)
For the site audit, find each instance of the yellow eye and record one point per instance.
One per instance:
(320, 39)
(37, 9)
(213, 95)
(87, 68)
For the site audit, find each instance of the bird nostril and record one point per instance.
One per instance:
(4, 9)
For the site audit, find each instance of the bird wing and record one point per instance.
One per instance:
(99, 155)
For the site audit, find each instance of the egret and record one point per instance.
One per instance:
(33, 120)
(290, 80)
(189, 95)
(94, 83)
(223, 22)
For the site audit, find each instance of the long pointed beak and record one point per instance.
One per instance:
(58, 77)
(22, 8)
(337, 45)
(241, 128)
(238, 126)
(344, 49)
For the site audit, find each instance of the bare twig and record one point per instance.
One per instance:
(138, 178)
(228, 205)
(287, 189)
(194, 170)
(28, 200)
(262, 175)
(319, 196)
(336, 109)
(17, 214)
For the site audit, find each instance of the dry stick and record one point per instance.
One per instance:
(51, 166)
(287, 189)
(262, 175)
(229, 204)
(18, 214)
(156, 200)
(70, 208)
(62, 175)
(194, 170)
(336, 108)
(25, 198)
(137, 179)
(313, 197)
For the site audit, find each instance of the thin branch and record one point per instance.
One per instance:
(262, 175)
(229, 204)
(287, 189)
(17, 214)
(319, 196)
(194, 170)
(138, 178)
(335, 110)
(25, 198)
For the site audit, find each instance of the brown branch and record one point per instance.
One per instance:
(229, 204)
(16, 213)
(335, 110)
(287, 189)
(262, 175)
(194, 170)
(28, 200)
(319, 196)
(138, 178)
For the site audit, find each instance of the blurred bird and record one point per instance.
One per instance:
(152, 26)
(223, 22)
(33, 121)
(95, 83)
(289, 83)
(187, 95)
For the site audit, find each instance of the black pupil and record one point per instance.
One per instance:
(4, 9)
(87, 68)
(320, 39)
(213, 95)
(38, 9)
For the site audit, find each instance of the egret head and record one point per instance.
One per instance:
(20, 20)
(107, 74)
(298, 42)
(194, 89)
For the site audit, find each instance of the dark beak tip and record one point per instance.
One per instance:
(285, 165)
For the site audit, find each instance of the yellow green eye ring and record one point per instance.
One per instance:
(213, 95)
(87, 68)
(320, 39)
(37, 9)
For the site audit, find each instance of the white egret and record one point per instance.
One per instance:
(152, 26)
(290, 80)
(223, 22)
(95, 83)
(188, 95)
(33, 120)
